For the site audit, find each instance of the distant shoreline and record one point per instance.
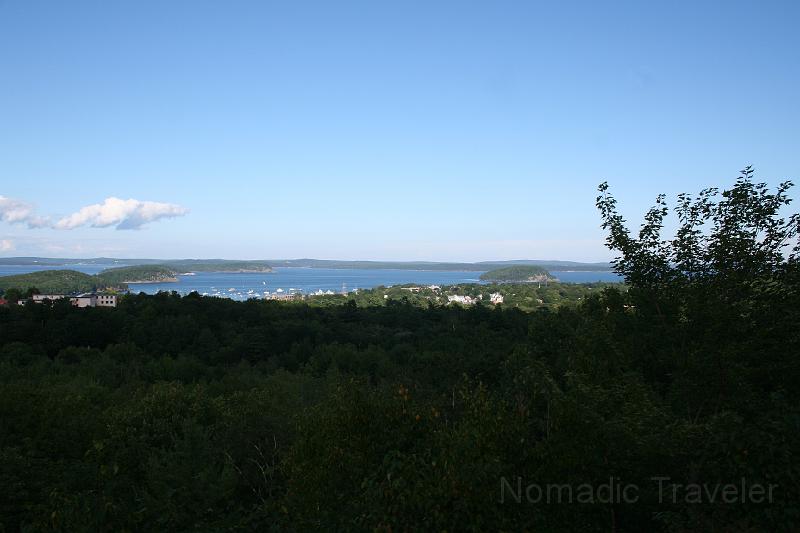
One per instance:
(377, 268)
(233, 265)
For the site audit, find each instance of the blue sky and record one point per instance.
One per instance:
(378, 130)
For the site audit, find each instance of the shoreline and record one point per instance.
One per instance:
(165, 280)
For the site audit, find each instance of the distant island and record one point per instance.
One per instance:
(518, 273)
(118, 278)
(228, 265)
(137, 274)
(52, 282)
(72, 281)
(480, 266)
(217, 265)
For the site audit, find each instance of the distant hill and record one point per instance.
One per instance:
(51, 282)
(178, 265)
(432, 265)
(72, 281)
(552, 265)
(228, 265)
(217, 265)
(136, 274)
(518, 273)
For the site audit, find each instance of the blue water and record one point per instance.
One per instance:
(306, 280)
(284, 280)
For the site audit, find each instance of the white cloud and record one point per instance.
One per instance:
(124, 214)
(18, 212)
(6, 245)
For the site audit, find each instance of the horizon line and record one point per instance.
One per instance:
(277, 260)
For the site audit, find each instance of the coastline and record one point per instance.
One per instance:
(162, 280)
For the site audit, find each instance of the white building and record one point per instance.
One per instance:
(460, 299)
(411, 289)
(496, 298)
(39, 298)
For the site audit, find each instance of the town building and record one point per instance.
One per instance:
(106, 300)
(461, 299)
(40, 298)
(88, 299)
(411, 289)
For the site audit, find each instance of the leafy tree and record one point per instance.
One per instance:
(13, 295)
(723, 239)
(31, 291)
(714, 312)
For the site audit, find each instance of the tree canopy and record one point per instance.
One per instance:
(395, 414)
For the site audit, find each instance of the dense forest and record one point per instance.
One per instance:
(174, 413)
(50, 281)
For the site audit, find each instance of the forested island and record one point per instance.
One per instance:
(390, 410)
(72, 281)
(118, 278)
(518, 273)
(217, 265)
(121, 276)
(51, 282)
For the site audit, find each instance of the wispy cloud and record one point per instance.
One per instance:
(6, 245)
(19, 212)
(122, 214)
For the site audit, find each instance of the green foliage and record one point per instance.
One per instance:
(525, 296)
(50, 281)
(13, 295)
(517, 273)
